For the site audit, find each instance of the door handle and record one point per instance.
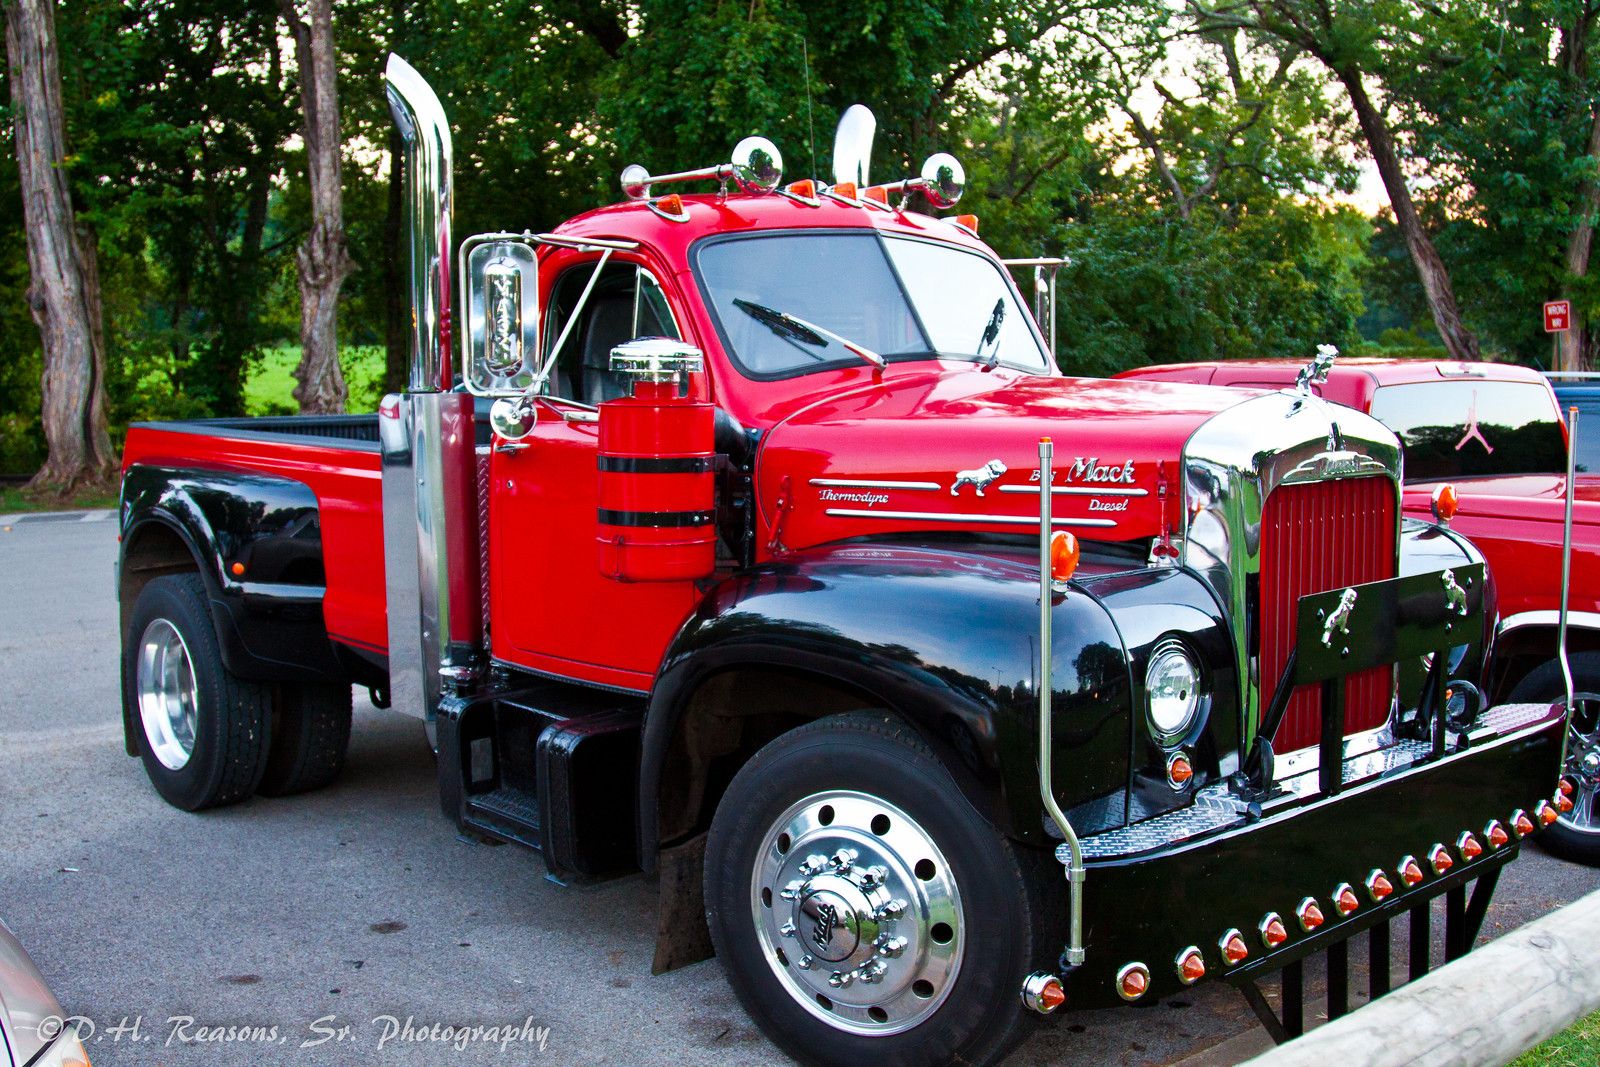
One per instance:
(510, 446)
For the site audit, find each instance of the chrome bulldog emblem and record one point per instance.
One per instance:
(1316, 372)
(1455, 597)
(979, 478)
(1338, 621)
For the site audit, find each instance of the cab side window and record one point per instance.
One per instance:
(626, 302)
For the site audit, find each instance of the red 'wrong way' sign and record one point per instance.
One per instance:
(1557, 316)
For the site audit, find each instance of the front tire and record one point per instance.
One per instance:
(1575, 835)
(201, 732)
(863, 910)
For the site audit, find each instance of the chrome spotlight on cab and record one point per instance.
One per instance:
(756, 168)
(942, 182)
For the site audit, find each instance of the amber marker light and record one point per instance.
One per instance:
(1309, 914)
(844, 189)
(1234, 950)
(1378, 885)
(1546, 813)
(1496, 834)
(967, 222)
(1345, 900)
(1563, 803)
(672, 204)
(1179, 770)
(1410, 870)
(1566, 787)
(877, 194)
(1439, 859)
(804, 187)
(1521, 823)
(1132, 981)
(1446, 501)
(1043, 992)
(1468, 846)
(1064, 555)
(1273, 932)
(1191, 965)
(237, 569)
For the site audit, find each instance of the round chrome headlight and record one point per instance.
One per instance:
(1172, 692)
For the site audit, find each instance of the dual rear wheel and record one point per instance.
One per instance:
(206, 736)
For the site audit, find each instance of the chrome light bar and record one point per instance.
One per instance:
(756, 168)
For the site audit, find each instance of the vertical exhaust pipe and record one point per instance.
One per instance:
(429, 200)
(427, 438)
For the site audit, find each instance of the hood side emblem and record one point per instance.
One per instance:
(1455, 597)
(980, 478)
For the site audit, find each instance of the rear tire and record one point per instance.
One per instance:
(1576, 835)
(201, 732)
(946, 985)
(310, 734)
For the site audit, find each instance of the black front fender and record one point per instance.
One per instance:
(946, 636)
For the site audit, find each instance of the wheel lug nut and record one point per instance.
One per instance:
(792, 891)
(804, 963)
(874, 875)
(813, 864)
(891, 946)
(840, 979)
(787, 929)
(873, 972)
(890, 910)
(843, 859)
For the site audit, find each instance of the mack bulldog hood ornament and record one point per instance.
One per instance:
(1316, 372)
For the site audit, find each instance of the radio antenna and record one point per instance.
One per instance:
(805, 58)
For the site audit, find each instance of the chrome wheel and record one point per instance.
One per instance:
(1583, 765)
(166, 689)
(858, 913)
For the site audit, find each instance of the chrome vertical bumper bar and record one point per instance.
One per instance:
(1075, 872)
(1566, 581)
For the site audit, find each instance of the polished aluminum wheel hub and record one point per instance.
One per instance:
(165, 685)
(858, 913)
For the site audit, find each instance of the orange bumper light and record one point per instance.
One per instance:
(1521, 823)
(1468, 846)
(1410, 871)
(1191, 965)
(1379, 886)
(1234, 950)
(1132, 981)
(1273, 932)
(1546, 812)
(1496, 834)
(1309, 914)
(1179, 769)
(1345, 900)
(1439, 859)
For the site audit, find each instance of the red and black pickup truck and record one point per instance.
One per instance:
(935, 686)
(1489, 437)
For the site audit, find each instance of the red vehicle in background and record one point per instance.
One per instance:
(1494, 432)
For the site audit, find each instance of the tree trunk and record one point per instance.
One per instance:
(1458, 340)
(64, 284)
(323, 260)
(1571, 344)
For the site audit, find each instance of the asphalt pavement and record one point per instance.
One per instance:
(353, 925)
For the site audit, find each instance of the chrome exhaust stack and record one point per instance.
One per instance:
(427, 438)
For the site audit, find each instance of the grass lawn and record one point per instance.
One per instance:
(1576, 1046)
(13, 500)
(270, 388)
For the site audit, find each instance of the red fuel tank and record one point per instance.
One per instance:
(657, 494)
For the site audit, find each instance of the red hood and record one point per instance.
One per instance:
(911, 453)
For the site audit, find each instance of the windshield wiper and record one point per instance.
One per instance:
(786, 325)
(991, 333)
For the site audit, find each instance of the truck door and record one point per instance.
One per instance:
(550, 608)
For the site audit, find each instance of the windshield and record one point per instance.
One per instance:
(903, 298)
(1467, 429)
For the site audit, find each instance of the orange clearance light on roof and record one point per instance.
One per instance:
(1496, 834)
(1410, 871)
(1468, 846)
(1179, 770)
(1064, 554)
(1309, 914)
(1546, 813)
(876, 193)
(672, 204)
(1446, 501)
(968, 221)
(1191, 965)
(1273, 932)
(1344, 899)
(1439, 858)
(1378, 885)
(844, 189)
(1132, 981)
(1521, 823)
(804, 187)
(1234, 950)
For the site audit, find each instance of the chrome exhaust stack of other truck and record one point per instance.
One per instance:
(427, 436)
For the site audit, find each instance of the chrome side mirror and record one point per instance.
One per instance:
(943, 180)
(514, 417)
(757, 165)
(501, 355)
(852, 145)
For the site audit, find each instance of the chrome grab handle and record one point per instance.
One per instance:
(1075, 872)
